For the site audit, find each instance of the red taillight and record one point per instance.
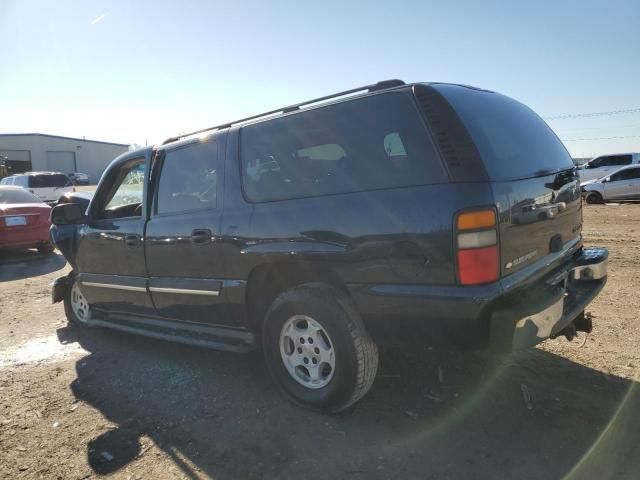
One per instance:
(477, 246)
(478, 265)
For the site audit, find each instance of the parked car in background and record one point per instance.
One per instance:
(81, 198)
(322, 229)
(24, 220)
(601, 166)
(47, 186)
(79, 178)
(622, 184)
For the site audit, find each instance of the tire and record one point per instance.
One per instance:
(72, 308)
(593, 198)
(46, 248)
(341, 339)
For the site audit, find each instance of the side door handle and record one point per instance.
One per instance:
(201, 236)
(132, 240)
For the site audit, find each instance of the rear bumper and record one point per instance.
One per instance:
(31, 236)
(533, 316)
(485, 316)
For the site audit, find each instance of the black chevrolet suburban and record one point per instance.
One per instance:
(322, 228)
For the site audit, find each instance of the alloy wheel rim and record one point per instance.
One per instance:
(307, 351)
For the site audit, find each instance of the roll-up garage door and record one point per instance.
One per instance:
(64, 162)
(17, 161)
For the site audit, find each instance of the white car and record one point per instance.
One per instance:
(604, 165)
(47, 186)
(623, 184)
(79, 178)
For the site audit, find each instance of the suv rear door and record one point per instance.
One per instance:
(182, 238)
(536, 189)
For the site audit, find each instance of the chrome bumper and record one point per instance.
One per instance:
(582, 281)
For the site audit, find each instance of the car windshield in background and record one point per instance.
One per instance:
(17, 195)
(49, 181)
(514, 142)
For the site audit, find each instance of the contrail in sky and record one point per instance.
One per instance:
(99, 19)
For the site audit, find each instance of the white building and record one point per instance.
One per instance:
(36, 151)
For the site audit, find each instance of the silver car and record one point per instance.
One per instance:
(605, 165)
(623, 184)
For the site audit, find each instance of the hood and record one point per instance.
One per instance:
(589, 182)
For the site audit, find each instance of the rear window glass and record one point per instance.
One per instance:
(17, 195)
(513, 141)
(372, 143)
(20, 181)
(48, 181)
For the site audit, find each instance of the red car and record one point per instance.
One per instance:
(24, 220)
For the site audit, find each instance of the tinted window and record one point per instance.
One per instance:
(627, 174)
(17, 195)
(49, 181)
(189, 179)
(512, 140)
(612, 160)
(337, 149)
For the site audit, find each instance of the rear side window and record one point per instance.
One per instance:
(611, 161)
(49, 181)
(189, 179)
(372, 143)
(513, 141)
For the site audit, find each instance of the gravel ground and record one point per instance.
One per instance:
(81, 404)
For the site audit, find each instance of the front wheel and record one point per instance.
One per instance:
(76, 307)
(593, 198)
(317, 348)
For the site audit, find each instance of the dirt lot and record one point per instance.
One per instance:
(86, 403)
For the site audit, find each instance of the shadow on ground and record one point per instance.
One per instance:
(429, 415)
(28, 263)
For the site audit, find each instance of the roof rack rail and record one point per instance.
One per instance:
(382, 85)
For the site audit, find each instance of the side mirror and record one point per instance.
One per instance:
(605, 180)
(67, 214)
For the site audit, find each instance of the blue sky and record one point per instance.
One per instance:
(140, 71)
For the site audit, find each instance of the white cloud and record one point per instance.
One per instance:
(99, 19)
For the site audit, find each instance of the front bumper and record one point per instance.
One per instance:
(530, 317)
(60, 286)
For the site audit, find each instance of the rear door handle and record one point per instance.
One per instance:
(132, 240)
(201, 236)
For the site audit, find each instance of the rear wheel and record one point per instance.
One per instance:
(317, 348)
(76, 307)
(593, 198)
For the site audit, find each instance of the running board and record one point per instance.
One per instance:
(197, 335)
